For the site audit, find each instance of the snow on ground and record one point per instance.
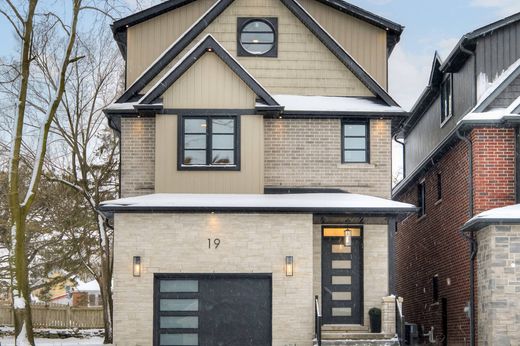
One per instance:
(94, 341)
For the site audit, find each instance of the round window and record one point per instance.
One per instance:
(257, 37)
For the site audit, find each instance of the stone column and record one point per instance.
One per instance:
(388, 315)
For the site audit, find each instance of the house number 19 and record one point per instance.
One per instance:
(215, 242)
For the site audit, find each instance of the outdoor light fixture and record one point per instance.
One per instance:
(289, 261)
(348, 238)
(137, 266)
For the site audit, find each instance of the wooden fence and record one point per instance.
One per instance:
(57, 316)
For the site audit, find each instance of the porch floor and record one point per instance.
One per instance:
(358, 335)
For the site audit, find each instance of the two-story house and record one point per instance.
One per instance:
(462, 150)
(255, 174)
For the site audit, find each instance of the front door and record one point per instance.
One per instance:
(342, 276)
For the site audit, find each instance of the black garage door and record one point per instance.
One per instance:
(212, 310)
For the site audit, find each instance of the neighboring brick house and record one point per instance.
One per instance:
(461, 150)
(255, 174)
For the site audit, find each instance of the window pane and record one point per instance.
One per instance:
(179, 322)
(195, 125)
(355, 143)
(179, 286)
(194, 157)
(257, 26)
(223, 157)
(355, 130)
(257, 48)
(355, 156)
(223, 141)
(179, 339)
(257, 38)
(223, 125)
(179, 305)
(195, 141)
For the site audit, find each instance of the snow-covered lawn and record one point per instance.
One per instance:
(93, 341)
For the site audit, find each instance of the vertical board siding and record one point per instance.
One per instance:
(250, 178)
(365, 42)
(304, 66)
(209, 84)
(147, 40)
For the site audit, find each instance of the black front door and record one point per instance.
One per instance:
(213, 310)
(342, 277)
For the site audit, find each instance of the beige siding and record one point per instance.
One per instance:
(147, 40)
(248, 180)
(178, 243)
(366, 43)
(209, 83)
(304, 66)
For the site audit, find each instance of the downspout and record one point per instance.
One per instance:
(404, 152)
(472, 241)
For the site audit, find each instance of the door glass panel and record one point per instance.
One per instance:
(179, 322)
(179, 305)
(341, 312)
(179, 339)
(341, 295)
(341, 264)
(340, 231)
(341, 248)
(341, 280)
(179, 286)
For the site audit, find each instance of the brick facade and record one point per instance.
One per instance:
(433, 245)
(137, 156)
(307, 153)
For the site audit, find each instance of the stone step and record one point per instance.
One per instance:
(344, 328)
(387, 342)
(339, 335)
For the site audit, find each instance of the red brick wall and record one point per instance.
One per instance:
(432, 246)
(494, 167)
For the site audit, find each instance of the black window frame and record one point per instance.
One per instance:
(365, 123)
(446, 102)
(421, 199)
(435, 288)
(209, 146)
(439, 186)
(272, 22)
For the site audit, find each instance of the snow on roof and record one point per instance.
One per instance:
(504, 215)
(493, 115)
(486, 89)
(306, 202)
(91, 286)
(127, 106)
(299, 103)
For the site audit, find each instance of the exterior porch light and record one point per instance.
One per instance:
(289, 265)
(348, 238)
(137, 266)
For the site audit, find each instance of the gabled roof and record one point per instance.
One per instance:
(119, 27)
(207, 45)
(177, 47)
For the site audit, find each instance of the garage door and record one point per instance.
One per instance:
(213, 310)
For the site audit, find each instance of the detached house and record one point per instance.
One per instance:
(255, 174)
(458, 278)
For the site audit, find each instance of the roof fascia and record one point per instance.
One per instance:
(477, 224)
(207, 45)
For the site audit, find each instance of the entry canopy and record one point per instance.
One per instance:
(273, 203)
(509, 215)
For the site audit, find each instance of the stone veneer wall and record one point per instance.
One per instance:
(307, 153)
(177, 243)
(375, 265)
(499, 285)
(137, 156)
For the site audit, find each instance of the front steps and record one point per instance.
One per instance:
(354, 335)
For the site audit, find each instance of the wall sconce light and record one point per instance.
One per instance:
(348, 238)
(289, 265)
(137, 266)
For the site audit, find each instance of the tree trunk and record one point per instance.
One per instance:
(105, 280)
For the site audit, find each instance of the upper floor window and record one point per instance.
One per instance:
(421, 198)
(209, 142)
(446, 99)
(257, 37)
(355, 142)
